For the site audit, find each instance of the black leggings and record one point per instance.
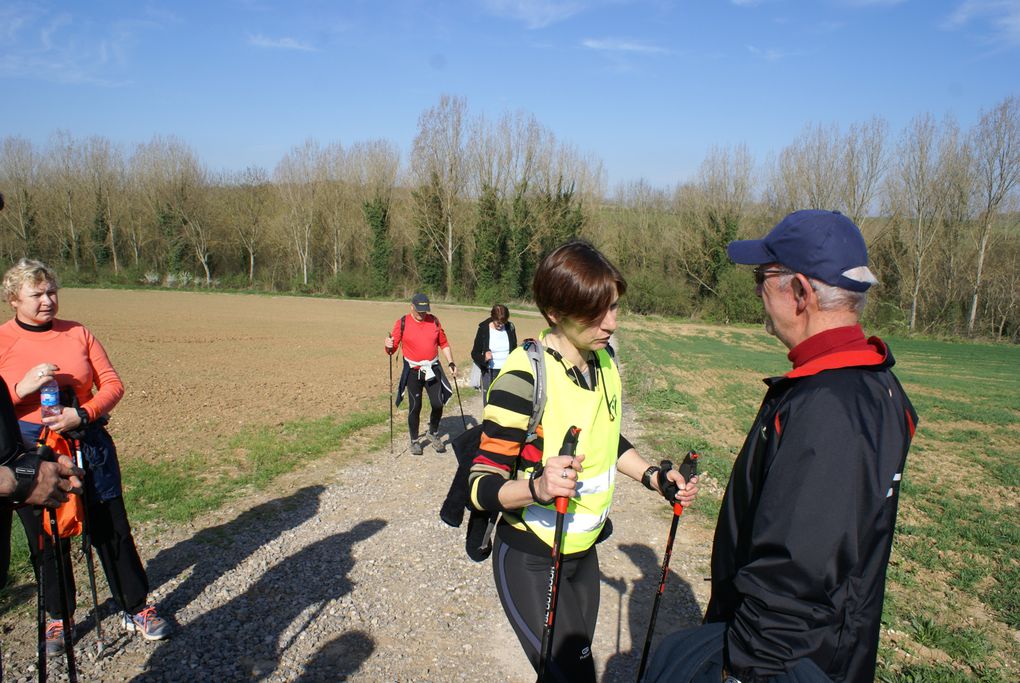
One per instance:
(522, 581)
(415, 385)
(111, 537)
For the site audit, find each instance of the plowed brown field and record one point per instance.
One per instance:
(200, 366)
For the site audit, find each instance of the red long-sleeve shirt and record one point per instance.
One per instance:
(81, 359)
(421, 339)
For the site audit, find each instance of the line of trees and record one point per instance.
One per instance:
(469, 213)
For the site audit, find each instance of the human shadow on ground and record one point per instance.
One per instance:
(245, 638)
(451, 426)
(216, 550)
(339, 659)
(678, 608)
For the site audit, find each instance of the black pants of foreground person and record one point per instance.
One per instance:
(522, 582)
(415, 387)
(113, 542)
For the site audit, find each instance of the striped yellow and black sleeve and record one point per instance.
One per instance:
(504, 431)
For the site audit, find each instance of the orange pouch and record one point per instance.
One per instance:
(71, 513)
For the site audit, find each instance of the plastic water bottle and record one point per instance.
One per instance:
(49, 399)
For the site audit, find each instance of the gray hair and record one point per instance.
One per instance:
(830, 297)
(27, 271)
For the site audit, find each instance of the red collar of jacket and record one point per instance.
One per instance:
(840, 347)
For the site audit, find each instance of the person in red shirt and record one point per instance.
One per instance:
(35, 348)
(422, 338)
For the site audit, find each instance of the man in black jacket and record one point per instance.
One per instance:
(806, 525)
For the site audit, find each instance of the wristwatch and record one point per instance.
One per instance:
(25, 470)
(646, 478)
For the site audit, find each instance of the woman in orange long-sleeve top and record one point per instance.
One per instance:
(36, 347)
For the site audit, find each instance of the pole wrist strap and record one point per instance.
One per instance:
(25, 470)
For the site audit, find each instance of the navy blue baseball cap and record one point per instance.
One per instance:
(420, 303)
(825, 245)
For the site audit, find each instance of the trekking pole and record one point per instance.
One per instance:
(688, 469)
(86, 549)
(568, 448)
(457, 387)
(391, 399)
(41, 602)
(63, 571)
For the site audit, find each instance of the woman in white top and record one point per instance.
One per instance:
(495, 339)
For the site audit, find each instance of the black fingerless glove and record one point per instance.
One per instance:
(668, 486)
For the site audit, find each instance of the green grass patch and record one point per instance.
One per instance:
(197, 483)
(180, 490)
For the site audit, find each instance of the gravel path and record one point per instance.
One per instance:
(345, 572)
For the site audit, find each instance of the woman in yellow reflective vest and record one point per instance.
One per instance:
(578, 291)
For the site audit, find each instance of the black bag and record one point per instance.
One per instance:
(465, 446)
(695, 655)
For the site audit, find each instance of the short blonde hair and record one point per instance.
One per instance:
(27, 271)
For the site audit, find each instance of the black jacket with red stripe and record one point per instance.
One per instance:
(806, 525)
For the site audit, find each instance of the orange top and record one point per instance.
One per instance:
(81, 359)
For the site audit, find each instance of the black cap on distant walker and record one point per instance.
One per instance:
(420, 303)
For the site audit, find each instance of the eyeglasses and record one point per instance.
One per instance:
(761, 274)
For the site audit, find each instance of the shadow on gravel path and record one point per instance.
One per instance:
(245, 638)
(678, 609)
(339, 659)
(216, 550)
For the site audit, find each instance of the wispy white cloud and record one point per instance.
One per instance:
(998, 20)
(869, 3)
(622, 45)
(535, 14)
(286, 43)
(56, 46)
(770, 54)
(745, 3)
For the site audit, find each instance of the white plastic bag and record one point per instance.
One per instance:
(475, 378)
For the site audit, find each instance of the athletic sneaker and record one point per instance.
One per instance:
(55, 637)
(415, 447)
(148, 623)
(437, 443)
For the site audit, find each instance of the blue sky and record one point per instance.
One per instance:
(646, 85)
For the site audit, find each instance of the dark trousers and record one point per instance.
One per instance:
(415, 387)
(6, 515)
(522, 582)
(113, 542)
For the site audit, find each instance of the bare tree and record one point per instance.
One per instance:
(917, 195)
(863, 166)
(711, 210)
(66, 183)
(339, 208)
(996, 144)
(105, 173)
(178, 183)
(439, 162)
(807, 175)
(296, 182)
(19, 169)
(250, 211)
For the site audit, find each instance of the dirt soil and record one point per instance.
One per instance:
(340, 571)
